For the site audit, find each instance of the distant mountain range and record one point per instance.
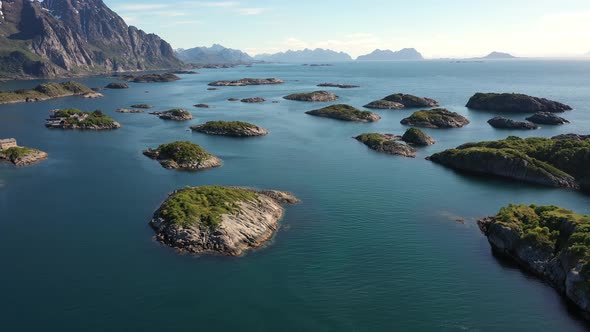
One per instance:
(215, 54)
(498, 56)
(306, 55)
(388, 55)
(55, 38)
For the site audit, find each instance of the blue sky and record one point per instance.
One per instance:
(450, 28)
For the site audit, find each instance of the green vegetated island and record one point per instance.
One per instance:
(315, 96)
(551, 242)
(345, 113)
(396, 145)
(19, 155)
(561, 161)
(230, 128)
(215, 219)
(436, 118)
(73, 118)
(176, 114)
(183, 155)
(47, 91)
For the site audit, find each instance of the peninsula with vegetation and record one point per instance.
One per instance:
(561, 161)
(514, 102)
(248, 81)
(399, 100)
(550, 242)
(46, 91)
(230, 128)
(436, 118)
(183, 155)
(19, 155)
(73, 118)
(345, 113)
(316, 96)
(222, 220)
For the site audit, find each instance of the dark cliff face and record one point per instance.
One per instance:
(71, 37)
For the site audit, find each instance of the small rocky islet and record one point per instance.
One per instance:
(514, 102)
(400, 101)
(561, 161)
(547, 118)
(248, 81)
(435, 118)
(548, 241)
(315, 96)
(176, 114)
(142, 106)
(47, 91)
(19, 155)
(337, 85)
(230, 128)
(417, 137)
(223, 220)
(504, 123)
(73, 118)
(183, 155)
(346, 113)
(387, 143)
(150, 78)
(117, 86)
(253, 100)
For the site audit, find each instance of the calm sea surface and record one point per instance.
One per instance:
(374, 245)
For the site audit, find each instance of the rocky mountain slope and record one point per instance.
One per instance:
(215, 54)
(57, 38)
(306, 55)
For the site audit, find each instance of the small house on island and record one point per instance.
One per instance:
(7, 143)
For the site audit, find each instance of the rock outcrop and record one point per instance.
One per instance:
(230, 128)
(183, 155)
(547, 241)
(559, 162)
(387, 143)
(547, 118)
(417, 137)
(337, 85)
(143, 106)
(253, 100)
(22, 156)
(248, 81)
(126, 110)
(436, 118)
(514, 102)
(150, 78)
(504, 123)
(45, 91)
(201, 105)
(117, 85)
(346, 113)
(316, 96)
(174, 115)
(384, 105)
(400, 100)
(56, 38)
(224, 220)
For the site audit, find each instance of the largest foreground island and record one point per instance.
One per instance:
(225, 220)
(551, 242)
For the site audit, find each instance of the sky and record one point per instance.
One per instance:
(436, 28)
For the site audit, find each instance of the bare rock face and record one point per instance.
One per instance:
(547, 118)
(76, 36)
(514, 102)
(249, 223)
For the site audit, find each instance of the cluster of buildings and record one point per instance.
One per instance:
(55, 121)
(7, 143)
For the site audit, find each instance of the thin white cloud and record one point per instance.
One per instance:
(250, 11)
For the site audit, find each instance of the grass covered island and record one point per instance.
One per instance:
(230, 128)
(22, 156)
(316, 96)
(183, 155)
(73, 118)
(176, 114)
(224, 220)
(46, 91)
(561, 161)
(387, 143)
(549, 241)
(345, 113)
(436, 118)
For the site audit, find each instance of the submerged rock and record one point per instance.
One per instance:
(346, 113)
(504, 123)
(387, 143)
(248, 81)
(201, 106)
(514, 102)
(224, 220)
(547, 118)
(316, 96)
(233, 99)
(183, 155)
(230, 128)
(436, 118)
(417, 137)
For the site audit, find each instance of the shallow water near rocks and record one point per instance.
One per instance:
(373, 246)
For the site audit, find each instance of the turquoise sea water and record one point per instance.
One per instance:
(374, 245)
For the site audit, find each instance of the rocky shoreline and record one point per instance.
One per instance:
(242, 219)
(47, 91)
(22, 156)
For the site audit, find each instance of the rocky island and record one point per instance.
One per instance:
(316, 96)
(436, 118)
(547, 241)
(46, 91)
(514, 102)
(248, 81)
(183, 155)
(223, 220)
(547, 118)
(230, 128)
(417, 137)
(253, 100)
(176, 114)
(129, 111)
(345, 113)
(337, 85)
(150, 78)
(116, 86)
(143, 106)
(561, 161)
(504, 123)
(73, 118)
(400, 100)
(18, 155)
(387, 143)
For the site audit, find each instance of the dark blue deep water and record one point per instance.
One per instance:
(374, 245)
